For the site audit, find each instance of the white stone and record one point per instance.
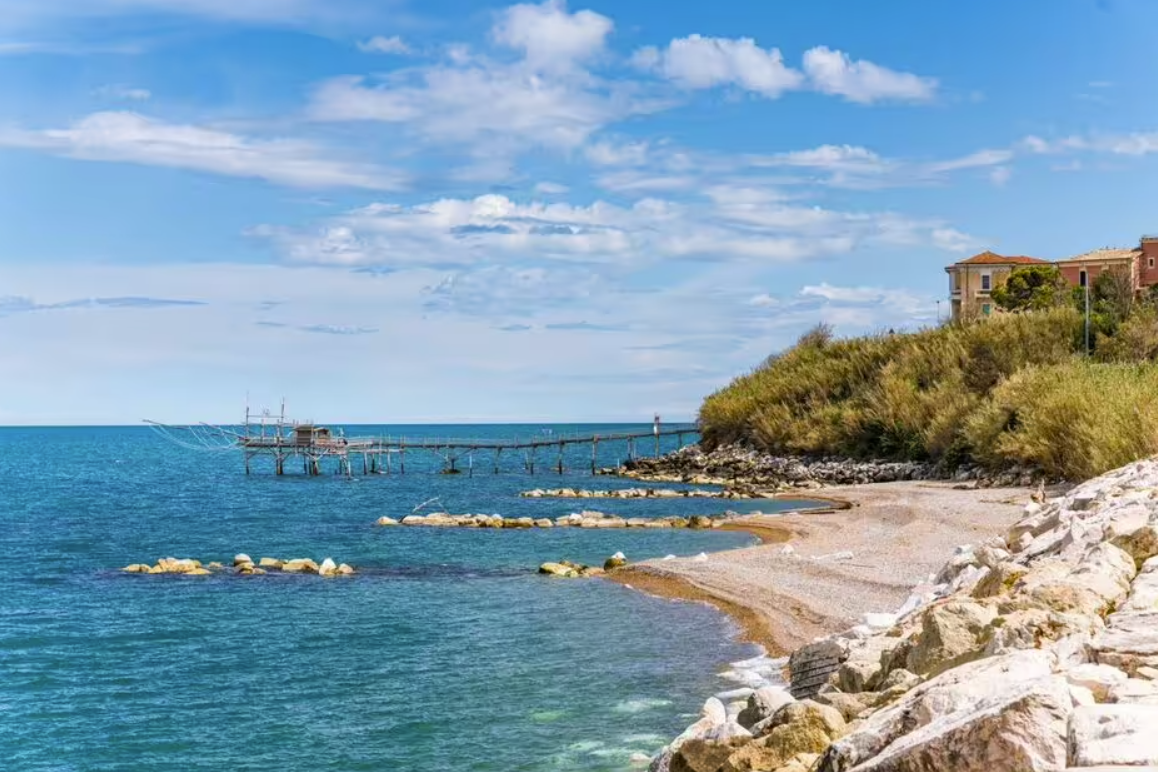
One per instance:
(1114, 734)
(328, 567)
(1099, 679)
(1135, 691)
(1080, 696)
(241, 558)
(714, 711)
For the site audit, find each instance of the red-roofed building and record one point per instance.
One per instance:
(971, 281)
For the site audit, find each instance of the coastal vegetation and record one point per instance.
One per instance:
(1015, 389)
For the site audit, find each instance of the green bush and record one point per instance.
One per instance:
(891, 396)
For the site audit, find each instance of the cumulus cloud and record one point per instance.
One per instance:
(1129, 144)
(133, 138)
(549, 36)
(380, 44)
(698, 62)
(834, 72)
(27, 13)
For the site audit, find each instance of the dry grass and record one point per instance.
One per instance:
(1012, 389)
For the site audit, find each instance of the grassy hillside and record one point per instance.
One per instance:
(1011, 389)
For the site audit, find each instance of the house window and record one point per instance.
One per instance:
(985, 309)
(1083, 280)
(1150, 263)
(985, 280)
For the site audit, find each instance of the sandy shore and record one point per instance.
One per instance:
(898, 534)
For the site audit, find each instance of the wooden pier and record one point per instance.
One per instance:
(293, 445)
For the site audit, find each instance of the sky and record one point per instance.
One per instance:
(449, 211)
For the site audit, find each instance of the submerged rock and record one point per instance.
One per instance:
(618, 560)
(558, 569)
(387, 521)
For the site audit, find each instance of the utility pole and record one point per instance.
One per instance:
(1087, 317)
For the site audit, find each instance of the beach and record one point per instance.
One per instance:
(816, 573)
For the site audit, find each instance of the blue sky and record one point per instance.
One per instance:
(447, 210)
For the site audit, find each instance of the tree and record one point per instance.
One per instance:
(1031, 288)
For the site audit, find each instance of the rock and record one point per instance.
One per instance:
(346, 569)
(1141, 545)
(271, 563)
(1080, 695)
(240, 558)
(615, 561)
(850, 705)
(1134, 691)
(729, 730)
(762, 705)
(387, 521)
(558, 569)
(958, 704)
(799, 727)
(199, 572)
(245, 567)
(328, 568)
(300, 566)
(999, 580)
(1099, 679)
(714, 711)
(1129, 642)
(863, 666)
(698, 755)
(543, 522)
(1114, 734)
(950, 635)
(414, 520)
(701, 522)
(136, 568)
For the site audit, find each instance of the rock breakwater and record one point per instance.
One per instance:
(242, 565)
(584, 519)
(644, 493)
(1036, 650)
(747, 471)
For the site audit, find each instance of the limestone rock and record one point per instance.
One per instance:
(1114, 734)
(704, 755)
(387, 521)
(762, 705)
(1134, 691)
(863, 667)
(618, 560)
(328, 567)
(346, 569)
(240, 558)
(1000, 579)
(300, 566)
(950, 635)
(198, 572)
(271, 563)
(973, 690)
(850, 705)
(799, 727)
(1130, 641)
(1099, 679)
(1141, 545)
(543, 522)
(558, 569)
(136, 568)
(714, 711)
(215, 566)
(700, 522)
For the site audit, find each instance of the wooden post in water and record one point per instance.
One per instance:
(560, 458)
(655, 430)
(594, 452)
(498, 455)
(402, 460)
(630, 448)
(470, 460)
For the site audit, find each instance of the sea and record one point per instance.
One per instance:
(447, 651)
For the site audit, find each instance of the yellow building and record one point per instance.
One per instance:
(971, 281)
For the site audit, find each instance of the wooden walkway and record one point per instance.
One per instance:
(311, 445)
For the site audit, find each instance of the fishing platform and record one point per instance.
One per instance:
(290, 443)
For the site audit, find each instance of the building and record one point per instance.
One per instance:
(971, 281)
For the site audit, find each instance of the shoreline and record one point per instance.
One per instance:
(818, 571)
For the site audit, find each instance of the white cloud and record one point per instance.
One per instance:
(551, 188)
(129, 93)
(549, 36)
(606, 153)
(1000, 176)
(1130, 144)
(698, 62)
(979, 159)
(27, 13)
(380, 44)
(833, 72)
(732, 225)
(133, 138)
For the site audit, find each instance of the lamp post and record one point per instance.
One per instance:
(938, 312)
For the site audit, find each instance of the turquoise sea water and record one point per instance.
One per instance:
(447, 651)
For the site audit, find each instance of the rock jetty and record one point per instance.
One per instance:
(584, 519)
(738, 466)
(1037, 650)
(567, 570)
(243, 565)
(645, 493)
